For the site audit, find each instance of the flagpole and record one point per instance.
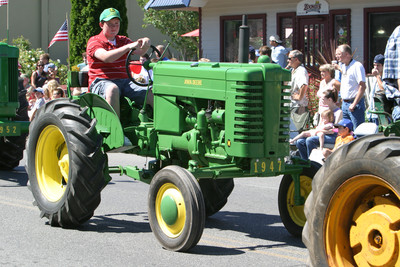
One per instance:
(68, 27)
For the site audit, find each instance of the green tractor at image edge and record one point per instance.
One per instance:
(14, 120)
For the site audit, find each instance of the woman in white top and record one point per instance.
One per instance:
(327, 83)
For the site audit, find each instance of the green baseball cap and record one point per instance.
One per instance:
(108, 14)
(264, 59)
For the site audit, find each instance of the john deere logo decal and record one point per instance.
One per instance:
(193, 82)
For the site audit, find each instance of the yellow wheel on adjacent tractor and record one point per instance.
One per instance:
(65, 163)
(364, 213)
(353, 212)
(176, 208)
(292, 215)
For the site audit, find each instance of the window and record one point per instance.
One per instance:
(286, 29)
(340, 30)
(380, 23)
(229, 49)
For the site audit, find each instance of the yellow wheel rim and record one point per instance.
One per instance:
(297, 212)
(361, 225)
(52, 163)
(169, 192)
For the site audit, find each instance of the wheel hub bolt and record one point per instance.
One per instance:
(378, 239)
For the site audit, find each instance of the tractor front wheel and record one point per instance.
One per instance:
(176, 208)
(65, 163)
(353, 212)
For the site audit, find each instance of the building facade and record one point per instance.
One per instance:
(39, 20)
(314, 27)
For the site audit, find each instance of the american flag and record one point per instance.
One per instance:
(3, 2)
(61, 35)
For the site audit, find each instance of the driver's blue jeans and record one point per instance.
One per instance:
(126, 88)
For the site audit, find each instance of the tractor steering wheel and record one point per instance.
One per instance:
(129, 62)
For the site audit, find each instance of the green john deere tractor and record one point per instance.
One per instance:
(211, 122)
(14, 121)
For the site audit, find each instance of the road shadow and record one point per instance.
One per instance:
(215, 251)
(111, 223)
(254, 225)
(18, 176)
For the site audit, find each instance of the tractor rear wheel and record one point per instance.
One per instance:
(176, 208)
(216, 193)
(65, 163)
(292, 215)
(353, 212)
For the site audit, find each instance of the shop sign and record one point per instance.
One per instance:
(312, 7)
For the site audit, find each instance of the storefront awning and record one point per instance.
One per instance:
(175, 4)
(194, 33)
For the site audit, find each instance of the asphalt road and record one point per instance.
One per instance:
(246, 232)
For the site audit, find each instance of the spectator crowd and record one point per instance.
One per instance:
(341, 95)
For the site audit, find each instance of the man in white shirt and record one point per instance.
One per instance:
(352, 87)
(299, 84)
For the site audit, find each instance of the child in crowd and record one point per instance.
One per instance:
(345, 129)
(39, 93)
(58, 93)
(325, 126)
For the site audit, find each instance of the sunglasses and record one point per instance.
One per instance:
(290, 58)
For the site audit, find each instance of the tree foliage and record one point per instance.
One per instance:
(84, 23)
(174, 23)
(28, 58)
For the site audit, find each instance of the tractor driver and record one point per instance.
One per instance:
(106, 54)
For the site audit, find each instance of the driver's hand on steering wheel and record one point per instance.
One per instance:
(141, 45)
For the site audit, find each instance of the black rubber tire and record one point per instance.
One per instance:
(190, 227)
(11, 151)
(293, 216)
(344, 191)
(216, 193)
(66, 202)
(12, 147)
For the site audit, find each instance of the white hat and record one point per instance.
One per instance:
(275, 38)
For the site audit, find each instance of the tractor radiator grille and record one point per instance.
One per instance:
(284, 119)
(12, 80)
(248, 116)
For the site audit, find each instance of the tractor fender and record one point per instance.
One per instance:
(108, 123)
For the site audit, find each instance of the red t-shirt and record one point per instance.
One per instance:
(100, 69)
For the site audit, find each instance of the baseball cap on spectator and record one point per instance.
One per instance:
(379, 59)
(275, 38)
(251, 49)
(264, 59)
(345, 123)
(51, 65)
(108, 14)
(39, 89)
